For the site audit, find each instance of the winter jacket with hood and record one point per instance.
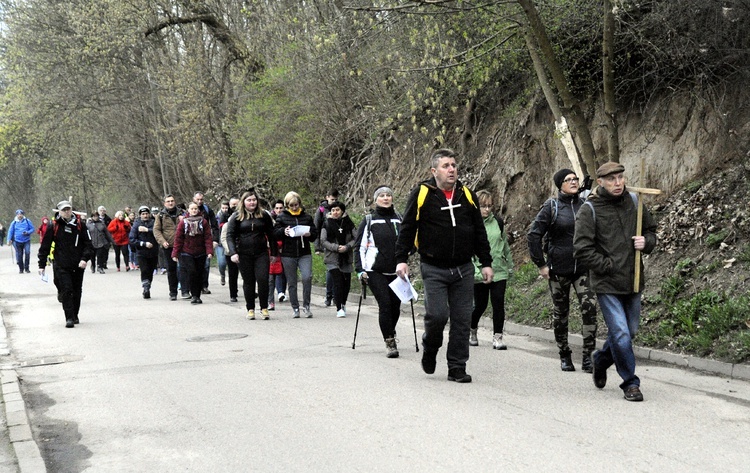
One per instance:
(99, 234)
(139, 239)
(119, 229)
(502, 261)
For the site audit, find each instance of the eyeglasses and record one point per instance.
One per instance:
(571, 179)
(485, 206)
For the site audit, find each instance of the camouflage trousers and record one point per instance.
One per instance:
(559, 287)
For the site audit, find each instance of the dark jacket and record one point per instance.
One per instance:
(139, 239)
(209, 215)
(72, 243)
(604, 243)
(375, 250)
(319, 219)
(335, 232)
(440, 243)
(294, 247)
(196, 245)
(559, 231)
(251, 237)
(100, 236)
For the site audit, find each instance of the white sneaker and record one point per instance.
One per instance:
(341, 313)
(295, 314)
(308, 313)
(497, 342)
(282, 297)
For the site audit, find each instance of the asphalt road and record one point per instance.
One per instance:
(160, 386)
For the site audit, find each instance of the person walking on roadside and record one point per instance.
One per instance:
(551, 248)
(100, 240)
(147, 249)
(73, 249)
(104, 217)
(249, 238)
(276, 277)
(222, 217)
(606, 242)
(193, 244)
(319, 219)
(296, 250)
(444, 221)
(233, 270)
(119, 228)
(206, 212)
(375, 262)
(3, 233)
(338, 235)
(19, 235)
(502, 265)
(165, 227)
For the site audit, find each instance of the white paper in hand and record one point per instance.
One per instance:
(300, 230)
(403, 289)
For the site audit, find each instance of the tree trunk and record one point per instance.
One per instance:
(610, 107)
(571, 108)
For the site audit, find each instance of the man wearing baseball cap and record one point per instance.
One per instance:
(73, 250)
(605, 241)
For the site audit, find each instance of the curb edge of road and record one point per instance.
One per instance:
(28, 456)
(731, 370)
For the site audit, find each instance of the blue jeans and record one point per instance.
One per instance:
(622, 314)
(305, 268)
(448, 294)
(221, 260)
(23, 250)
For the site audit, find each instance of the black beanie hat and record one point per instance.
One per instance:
(559, 176)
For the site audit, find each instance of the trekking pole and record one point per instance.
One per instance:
(414, 323)
(362, 295)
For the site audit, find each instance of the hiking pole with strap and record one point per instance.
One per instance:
(414, 323)
(362, 295)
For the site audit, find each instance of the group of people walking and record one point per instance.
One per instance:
(580, 239)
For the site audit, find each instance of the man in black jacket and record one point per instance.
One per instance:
(72, 251)
(443, 219)
(555, 222)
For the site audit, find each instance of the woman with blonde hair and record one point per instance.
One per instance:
(249, 237)
(295, 251)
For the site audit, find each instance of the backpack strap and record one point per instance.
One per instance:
(633, 197)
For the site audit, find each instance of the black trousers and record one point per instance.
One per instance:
(171, 266)
(69, 283)
(389, 305)
(192, 268)
(254, 271)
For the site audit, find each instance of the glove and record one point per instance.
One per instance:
(362, 277)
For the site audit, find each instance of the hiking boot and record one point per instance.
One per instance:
(599, 375)
(173, 297)
(251, 314)
(185, 295)
(147, 294)
(69, 323)
(223, 280)
(295, 313)
(391, 350)
(473, 340)
(264, 313)
(566, 364)
(76, 321)
(458, 375)
(428, 361)
(196, 300)
(232, 299)
(328, 301)
(586, 365)
(282, 297)
(308, 313)
(633, 393)
(497, 342)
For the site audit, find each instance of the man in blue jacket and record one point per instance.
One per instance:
(19, 234)
(443, 217)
